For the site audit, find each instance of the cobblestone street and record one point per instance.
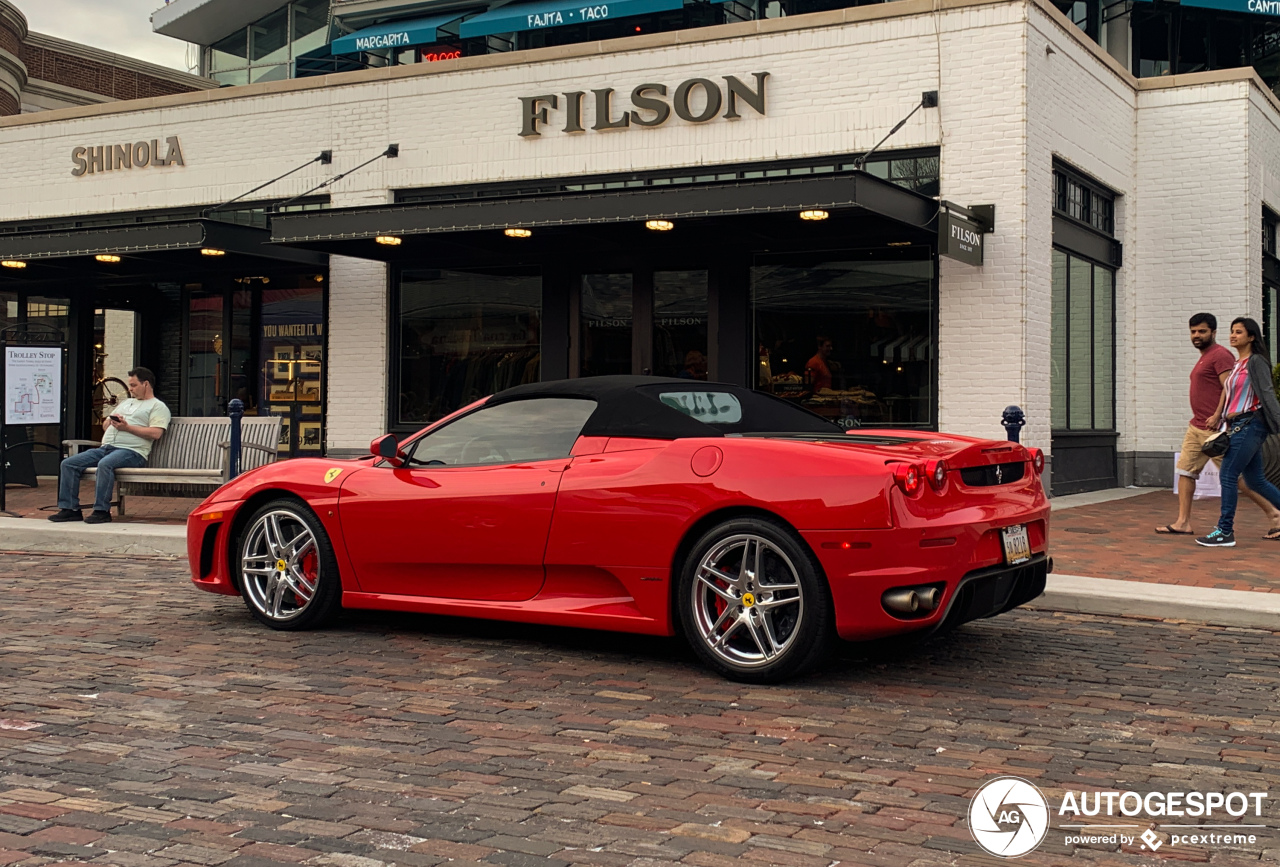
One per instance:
(143, 722)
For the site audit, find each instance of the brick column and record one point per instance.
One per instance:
(13, 72)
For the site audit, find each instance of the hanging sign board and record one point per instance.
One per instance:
(959, 238)
(32, 385)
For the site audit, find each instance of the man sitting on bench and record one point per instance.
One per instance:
(126, 441)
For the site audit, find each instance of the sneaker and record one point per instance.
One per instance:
(66, 515)
(1218, 539)
(105, 518)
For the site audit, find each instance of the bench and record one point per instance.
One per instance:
(191, 459)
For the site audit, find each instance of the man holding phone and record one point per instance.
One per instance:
(128, 434)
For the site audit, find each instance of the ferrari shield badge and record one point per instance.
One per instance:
(332, 474)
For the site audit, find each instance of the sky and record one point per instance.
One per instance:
(121, 26)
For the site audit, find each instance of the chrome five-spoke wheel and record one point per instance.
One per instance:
(747, 601)
(284, 561)
(753, 605)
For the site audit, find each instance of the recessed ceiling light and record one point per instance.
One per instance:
(517, 233)
(814, 214)
(13, 263)
(659, 225)
(107, 257)
(388, 240)
(210, 251)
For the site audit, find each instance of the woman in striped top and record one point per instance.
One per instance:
(1249, 410)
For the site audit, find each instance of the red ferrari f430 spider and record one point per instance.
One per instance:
(757, 530)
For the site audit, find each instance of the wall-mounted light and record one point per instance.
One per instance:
(210, 251)
(814, 214)
(659, 225)
(388, 240)
(107, 257)
(12, 263)
(517, 233)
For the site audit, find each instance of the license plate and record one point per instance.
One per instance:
(1017, 544)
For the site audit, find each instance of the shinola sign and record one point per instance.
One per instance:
(139, 155)
(649, 105)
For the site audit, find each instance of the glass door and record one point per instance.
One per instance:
(203, 389)
(680, 324)
(293, 370)
(605, 322)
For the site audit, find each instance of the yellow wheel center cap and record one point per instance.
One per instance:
(748, 600)
(281, 565)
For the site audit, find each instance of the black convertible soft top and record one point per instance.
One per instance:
(634, 406)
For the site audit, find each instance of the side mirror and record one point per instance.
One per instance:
(387, 448)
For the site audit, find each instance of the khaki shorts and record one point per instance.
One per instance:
(1192, 460)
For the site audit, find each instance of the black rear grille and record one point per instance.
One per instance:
(993, 474)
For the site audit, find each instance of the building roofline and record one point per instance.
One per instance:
(691, 36)
(120, 61)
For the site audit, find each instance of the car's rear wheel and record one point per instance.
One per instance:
(752, 602)
(288, 574)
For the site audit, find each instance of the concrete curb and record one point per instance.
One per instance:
(1079, 595)
(147, 540)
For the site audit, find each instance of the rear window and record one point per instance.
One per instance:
(739, 410)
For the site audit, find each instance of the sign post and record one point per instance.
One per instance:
(31, 385)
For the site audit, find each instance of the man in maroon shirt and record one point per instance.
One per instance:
(1206, 388)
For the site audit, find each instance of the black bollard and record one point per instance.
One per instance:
(235, 409)
(1013, 420)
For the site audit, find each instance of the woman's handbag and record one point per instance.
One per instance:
(1216, 445)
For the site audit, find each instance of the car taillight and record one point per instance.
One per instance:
(936, 472)
(1037, 460)
(908, 477)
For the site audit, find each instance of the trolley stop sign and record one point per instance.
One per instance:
(960, 238)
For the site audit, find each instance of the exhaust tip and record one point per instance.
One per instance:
(904, 601)
(929, 598)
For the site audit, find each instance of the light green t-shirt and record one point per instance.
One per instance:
(143, 413)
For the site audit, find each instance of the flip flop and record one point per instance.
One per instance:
(1273, 535)
(1167, 530)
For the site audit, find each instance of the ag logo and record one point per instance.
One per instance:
(332, 474)
(1008, 817)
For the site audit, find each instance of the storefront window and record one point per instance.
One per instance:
(55, 312)
(269, 39)
(292, 353)
(230, 53)
(205, 360)
(852, 341)
(8, 308)
(1082, 349)
(463, 336)
(605, 336)
(310, 29)
(1271, 319)
(680, 324)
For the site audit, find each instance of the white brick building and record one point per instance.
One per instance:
(1180, 174)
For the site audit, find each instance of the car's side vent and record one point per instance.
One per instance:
(207, 549)
(993, 474)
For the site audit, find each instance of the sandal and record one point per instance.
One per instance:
(1273, 535)
(1167, 530)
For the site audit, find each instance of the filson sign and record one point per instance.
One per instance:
(139, 155)
(959, 238)
(697, 100)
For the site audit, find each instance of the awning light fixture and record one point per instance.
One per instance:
(814, 214)
(13, 263)
(659, 225)
(388, 240)
(107, 257)
(514, 232)
(210, 251)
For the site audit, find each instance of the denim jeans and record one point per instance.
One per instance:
(1244, 458)
(107, 459)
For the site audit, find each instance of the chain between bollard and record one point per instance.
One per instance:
(235, 408)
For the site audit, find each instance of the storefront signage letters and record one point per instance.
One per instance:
(960, 238)
(139, 155)
(1253, 7)
(649, 105)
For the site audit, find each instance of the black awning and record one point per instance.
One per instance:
(856, 190)
(142, 238)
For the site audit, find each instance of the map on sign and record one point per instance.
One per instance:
(32, 385)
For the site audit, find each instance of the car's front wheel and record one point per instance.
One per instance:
(752, 602)
(288, 574)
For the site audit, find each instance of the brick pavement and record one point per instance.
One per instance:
(39, 503)
(1117, 540)
(143, 723)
